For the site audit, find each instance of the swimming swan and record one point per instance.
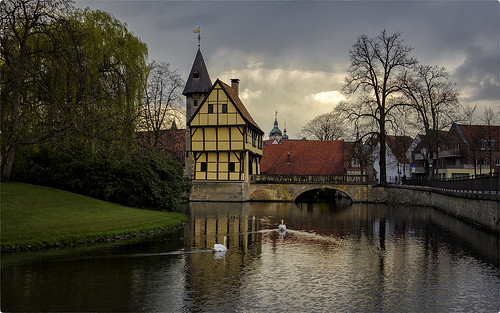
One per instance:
(282, 226)
(218, 247)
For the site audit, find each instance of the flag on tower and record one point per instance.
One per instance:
(196, 31)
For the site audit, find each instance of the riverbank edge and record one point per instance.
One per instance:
(124, 236)
(78, 239)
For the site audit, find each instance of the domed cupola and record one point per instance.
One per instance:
(285, 136)
(275, 133)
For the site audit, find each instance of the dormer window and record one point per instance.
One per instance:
(196, 74)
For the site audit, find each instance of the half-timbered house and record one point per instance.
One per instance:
(225, 141)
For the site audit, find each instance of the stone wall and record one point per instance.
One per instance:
(219, 191)
(477, 208)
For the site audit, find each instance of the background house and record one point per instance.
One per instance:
(470, 150)
(422, 163)
(398, 165)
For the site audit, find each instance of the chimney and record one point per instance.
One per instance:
(235, 84)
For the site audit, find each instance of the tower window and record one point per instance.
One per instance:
(195, 102)
(196, 74)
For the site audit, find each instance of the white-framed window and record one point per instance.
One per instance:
(487, 144)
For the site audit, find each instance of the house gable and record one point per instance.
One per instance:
(212, 110)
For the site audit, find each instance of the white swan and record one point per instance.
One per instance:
(282, 226)
(218, 247)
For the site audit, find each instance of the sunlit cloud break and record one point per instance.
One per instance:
(247, 93)
(329, 97)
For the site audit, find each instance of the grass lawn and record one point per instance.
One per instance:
(36, 216)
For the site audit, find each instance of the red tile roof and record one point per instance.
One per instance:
(399, 145)
(475, 133)
(303, 158)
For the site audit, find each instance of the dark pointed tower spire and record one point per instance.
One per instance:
(197, 86)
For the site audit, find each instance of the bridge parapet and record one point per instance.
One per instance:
(308, 179)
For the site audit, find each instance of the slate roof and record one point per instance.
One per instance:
(292, 157)
(201, 84)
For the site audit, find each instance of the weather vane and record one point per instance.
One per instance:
(197, 31)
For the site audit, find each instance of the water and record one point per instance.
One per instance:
(332, 258)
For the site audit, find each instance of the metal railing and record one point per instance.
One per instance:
(479, 184)
(309, 179)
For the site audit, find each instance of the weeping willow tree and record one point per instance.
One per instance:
(70, 78)
(99, 81)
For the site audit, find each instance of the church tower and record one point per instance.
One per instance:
(198, 85)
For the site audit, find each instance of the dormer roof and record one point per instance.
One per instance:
(199, 79)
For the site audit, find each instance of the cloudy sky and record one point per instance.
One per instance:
(292, 56)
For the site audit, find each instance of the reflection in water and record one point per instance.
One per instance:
(357, 258)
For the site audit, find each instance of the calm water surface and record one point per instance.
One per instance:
(332, 258)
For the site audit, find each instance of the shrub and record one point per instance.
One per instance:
(143, 179)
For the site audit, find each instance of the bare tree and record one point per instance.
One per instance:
(162, 100)
(434, 99)
(373, 76)
(491, 119)
(328, 126)
(467, 113)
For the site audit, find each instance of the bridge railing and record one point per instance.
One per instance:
(311, 179)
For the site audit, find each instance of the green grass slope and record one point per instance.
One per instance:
(34, 216)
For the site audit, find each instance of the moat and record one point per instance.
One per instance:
(332, 258)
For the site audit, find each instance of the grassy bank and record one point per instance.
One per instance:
(35, 216)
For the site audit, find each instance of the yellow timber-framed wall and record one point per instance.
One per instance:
(226, 144)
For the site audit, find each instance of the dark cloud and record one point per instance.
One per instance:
(272, 37)
(478, 75)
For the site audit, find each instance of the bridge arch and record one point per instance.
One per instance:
(317, 187)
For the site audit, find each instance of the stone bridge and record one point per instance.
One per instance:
(477, 208)
(289, 187)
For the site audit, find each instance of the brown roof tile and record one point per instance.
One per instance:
(399, 145)
(239, 105)
(235, 99)
(475, 133)
(303, 158)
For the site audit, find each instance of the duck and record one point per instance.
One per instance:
(282, 226)
(219, 248)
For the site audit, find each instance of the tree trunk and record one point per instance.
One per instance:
(12, 140)
(383, 161)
